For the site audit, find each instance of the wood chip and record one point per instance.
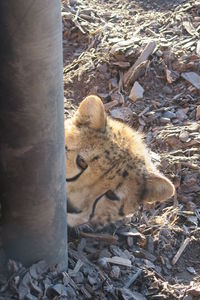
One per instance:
(171, 75)
(193, 78)
(137, 72)
(148, 50)
(117, 260)
(180, 251)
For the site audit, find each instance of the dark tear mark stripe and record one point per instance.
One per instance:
(94, 206)
(96, 201)
(75, 177)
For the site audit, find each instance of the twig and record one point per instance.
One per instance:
(100, 237)
(180, 251)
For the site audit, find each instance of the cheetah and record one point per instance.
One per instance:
(109, 172)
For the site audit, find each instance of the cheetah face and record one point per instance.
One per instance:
(108, 168)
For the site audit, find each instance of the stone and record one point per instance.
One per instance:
(137, 92)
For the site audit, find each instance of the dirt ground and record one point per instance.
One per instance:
(143, 59)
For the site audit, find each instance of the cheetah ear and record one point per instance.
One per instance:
(91, 113)
(158, 188)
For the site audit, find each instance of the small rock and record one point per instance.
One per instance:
(198, 113)
(184, 136)
(169, 115)
(167, 90)
(180, 114)
(165, 120)
(137, 92)
(115, 272)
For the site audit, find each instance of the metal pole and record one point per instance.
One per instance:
(32, 159)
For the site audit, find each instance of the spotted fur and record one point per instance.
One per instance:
(108, 168)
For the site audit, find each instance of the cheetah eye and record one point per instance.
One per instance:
(81, 163)
(112, 196)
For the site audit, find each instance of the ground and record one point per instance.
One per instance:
(155, 253)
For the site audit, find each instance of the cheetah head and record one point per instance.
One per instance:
(109, 172)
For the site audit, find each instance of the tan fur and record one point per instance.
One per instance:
(117, 160)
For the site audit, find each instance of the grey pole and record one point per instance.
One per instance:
(32, 158)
